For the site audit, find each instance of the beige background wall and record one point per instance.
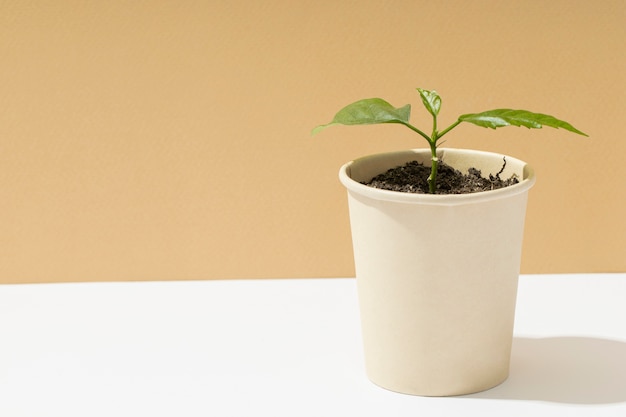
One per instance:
(169, 139)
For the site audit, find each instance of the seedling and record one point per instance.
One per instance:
(377, 111)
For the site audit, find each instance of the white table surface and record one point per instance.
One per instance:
(285, 348)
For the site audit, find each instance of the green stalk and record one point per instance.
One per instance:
(413, 128)
(432, 179)
(434, 161)
(434, 165)
(449, 128)
(432, 141)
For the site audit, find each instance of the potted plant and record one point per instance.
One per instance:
(437, 272)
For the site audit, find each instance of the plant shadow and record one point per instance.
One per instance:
(575, 370)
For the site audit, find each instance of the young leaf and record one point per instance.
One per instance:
(367, 112)
(507, 117)
(431, 101)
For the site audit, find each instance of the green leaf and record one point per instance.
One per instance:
(431, 101)
(368, 112)
(507, 117)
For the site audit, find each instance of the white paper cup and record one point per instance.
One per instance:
(437, 274)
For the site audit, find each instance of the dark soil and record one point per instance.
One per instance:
(413, 178)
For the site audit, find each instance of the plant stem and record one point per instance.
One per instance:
(434, 164)
(434, 161)
(449, 128)
(413, 128)
(432, 141)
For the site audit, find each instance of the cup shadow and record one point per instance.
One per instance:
(576, 370)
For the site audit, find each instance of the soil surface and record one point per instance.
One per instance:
(413, 178)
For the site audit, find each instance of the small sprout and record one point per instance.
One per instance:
(377, 111)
